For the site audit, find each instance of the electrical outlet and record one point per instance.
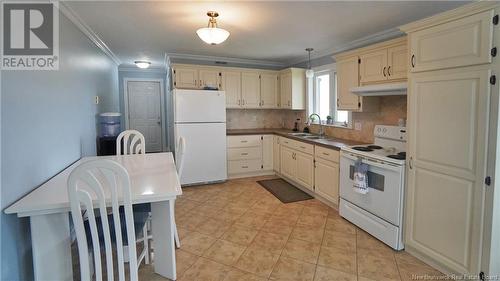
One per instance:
(96, 99)
(357, 126)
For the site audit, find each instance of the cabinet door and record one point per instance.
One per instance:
(276, 152)
(186, 77)
(231, 84)
(250, 89)
(305, 169)
(209, 78)
(269, 90)
(462, 42)
(288, 164)
(326, 179)
(347, 77)
(397, 61)
(373, 67)
(267, 152)
(286, 90)
(448, 114)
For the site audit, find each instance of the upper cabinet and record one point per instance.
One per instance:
(244, 87)
(186, 77)
(293, 88)
(269, 90)
(467, 41)
(231, 84)
(209, 78)
(250, 89)
(347, 77)
(373, 66)
(385, 63)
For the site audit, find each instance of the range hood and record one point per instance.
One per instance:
(393, 89)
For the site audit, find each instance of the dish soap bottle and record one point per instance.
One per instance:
(296, 125)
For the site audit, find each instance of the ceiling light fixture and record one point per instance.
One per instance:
(142, 63)
(309, 71)
(212, 34)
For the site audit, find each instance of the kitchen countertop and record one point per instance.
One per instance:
(333, 143)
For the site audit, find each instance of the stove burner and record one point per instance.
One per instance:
(397, 156)
(374, 147)
(362, 148)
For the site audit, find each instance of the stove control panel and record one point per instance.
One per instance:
(390, 132)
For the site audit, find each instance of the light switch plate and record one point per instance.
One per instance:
(357, 126)
(96, 99)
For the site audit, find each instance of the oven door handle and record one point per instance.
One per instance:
(368, 161)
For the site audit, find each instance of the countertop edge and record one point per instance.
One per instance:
(336, 144)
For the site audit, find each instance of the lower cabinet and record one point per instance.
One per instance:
(249, 155)
(297, 162)
(276, 154)
(288, 164)
(308, 166)
(326, 179)
(305, 169)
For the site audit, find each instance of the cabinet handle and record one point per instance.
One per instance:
(244, 153)
(239, 102)
(242, 102)
(384, 71)
(244, 141)
(410, 163)
(303, 147)
(262, 103)
(412, 60)
(389, 71)
(244, 167)
(327, 154)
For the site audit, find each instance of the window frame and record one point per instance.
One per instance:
(313, 97)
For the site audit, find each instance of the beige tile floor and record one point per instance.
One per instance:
(238, 231)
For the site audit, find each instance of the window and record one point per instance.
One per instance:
(324, 99)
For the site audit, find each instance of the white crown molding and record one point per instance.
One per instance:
(80, 24)
(136, 69)
(361, 42)
(226, 59)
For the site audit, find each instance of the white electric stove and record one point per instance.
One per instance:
(380, 211)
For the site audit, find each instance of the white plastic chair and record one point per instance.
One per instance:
(133, 143)
(89, 181)
(179, 165)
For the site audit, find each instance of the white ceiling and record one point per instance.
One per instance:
(270, 31)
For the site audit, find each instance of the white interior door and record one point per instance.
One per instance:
(144, 112)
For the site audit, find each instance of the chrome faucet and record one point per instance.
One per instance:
(320, 127)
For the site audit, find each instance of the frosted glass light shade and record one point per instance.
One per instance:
(309, 73)
(212, 35)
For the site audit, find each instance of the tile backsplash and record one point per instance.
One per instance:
(263, 118)
(392, 108)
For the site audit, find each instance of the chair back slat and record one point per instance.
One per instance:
(133, 143)
(87, 186)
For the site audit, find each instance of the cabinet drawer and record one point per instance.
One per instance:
(243, 166)
(298, 145)
(304, 147)
(327, 154)
(244, 153)
(243, 141)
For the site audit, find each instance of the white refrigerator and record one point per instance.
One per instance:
(200, 117)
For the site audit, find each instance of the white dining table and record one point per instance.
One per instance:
(153, 180)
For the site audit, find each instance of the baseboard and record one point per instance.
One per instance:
(429, 261)
(253, 174)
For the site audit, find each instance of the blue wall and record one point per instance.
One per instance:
(48, 122)
(147, 74)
